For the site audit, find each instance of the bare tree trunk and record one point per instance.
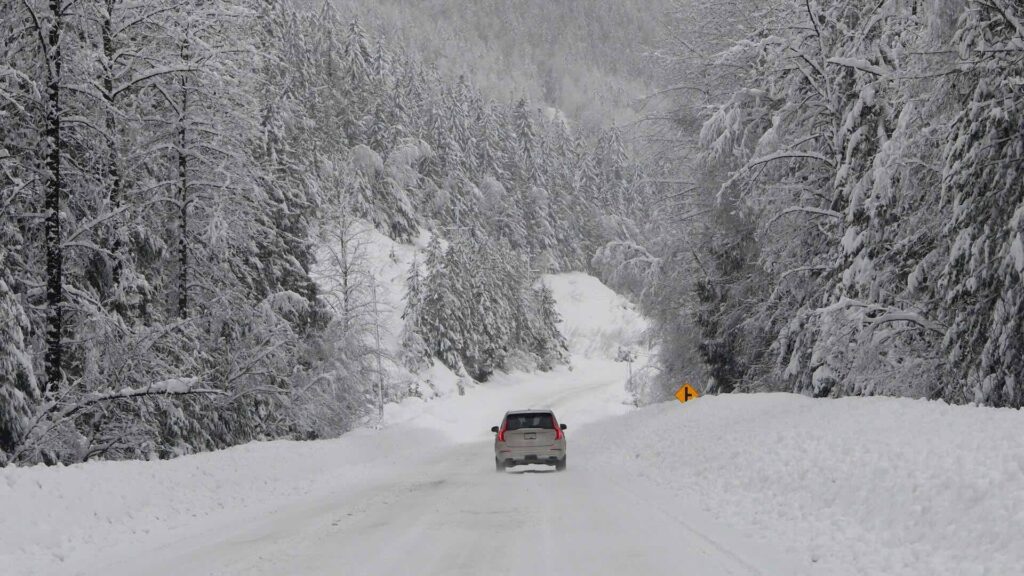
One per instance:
(113, 166)
(184, 198)
(183, 223)
(51, 205)
(346, 284)
(377, 351)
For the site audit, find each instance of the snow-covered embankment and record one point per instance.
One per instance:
(854, 486)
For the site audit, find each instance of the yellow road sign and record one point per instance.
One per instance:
(687, 393)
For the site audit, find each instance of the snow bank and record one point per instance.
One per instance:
(852, 486)
(56, 520)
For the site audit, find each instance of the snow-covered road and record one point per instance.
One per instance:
(444, 510)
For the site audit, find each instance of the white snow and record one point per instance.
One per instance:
(174, 385)
(1017, 253)
(596, 321)
(402, 161)
(169, 386)
(851, 486)
(61, 520)
(366, 160)
(756, 484)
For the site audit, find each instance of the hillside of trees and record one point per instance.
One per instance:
(167, 172)
(591, 60)
(848, 212)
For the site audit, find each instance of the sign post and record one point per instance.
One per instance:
(686, 393)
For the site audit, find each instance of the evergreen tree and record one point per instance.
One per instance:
(441, 323)
(19, 393)
(550, 344)
(984, 191)
(416, 354)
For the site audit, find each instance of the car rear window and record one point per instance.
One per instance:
(531, 420)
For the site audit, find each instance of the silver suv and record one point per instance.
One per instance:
(529, 437)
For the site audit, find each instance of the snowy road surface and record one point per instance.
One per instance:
(444, 510)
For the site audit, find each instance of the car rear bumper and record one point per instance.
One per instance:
(531, 455)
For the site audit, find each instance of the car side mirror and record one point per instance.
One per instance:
(563, 426)
(494, 429)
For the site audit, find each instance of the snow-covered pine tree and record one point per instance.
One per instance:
(19, 392)
(416, 356)
(551, 346)
(484, 289)
(357, 82)
(983, 187)
(490, 157)
(292, 195)
(526, 153)
(441, 323)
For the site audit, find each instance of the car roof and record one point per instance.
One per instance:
(531, 411)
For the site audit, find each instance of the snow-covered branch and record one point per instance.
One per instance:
(807, 210)
(169, 387)
(905, 316)
(859, 64)
(788, 155)
(791, 271)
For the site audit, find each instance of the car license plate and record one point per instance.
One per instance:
(532, 436)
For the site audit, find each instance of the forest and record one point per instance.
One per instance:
(815, 196)
(591, 61)
(848, 217)
(168, 171)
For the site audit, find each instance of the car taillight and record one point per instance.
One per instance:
(501, 433)
(558, 429)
